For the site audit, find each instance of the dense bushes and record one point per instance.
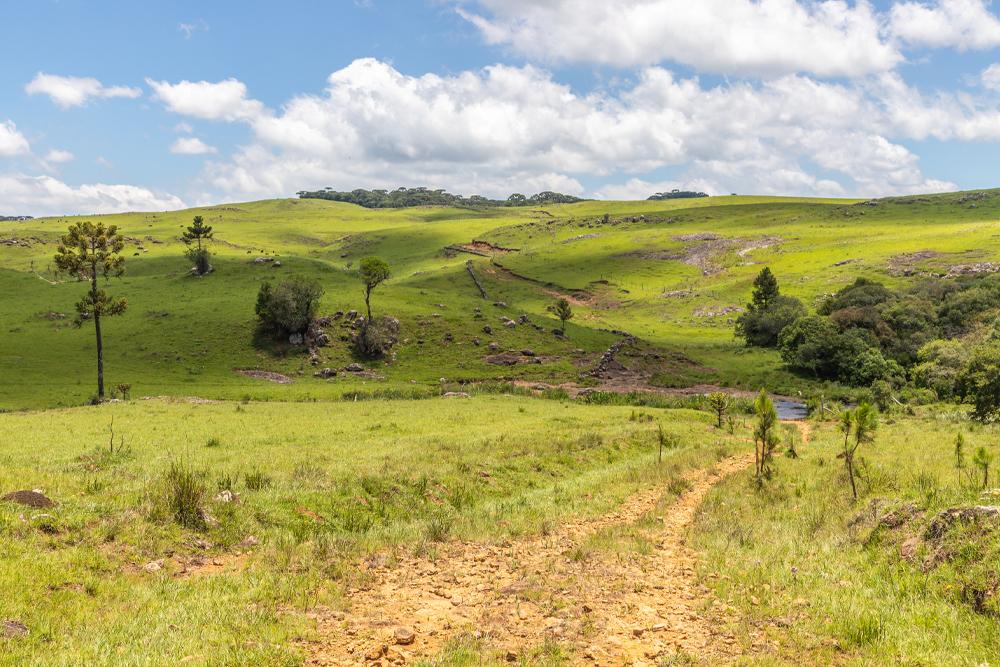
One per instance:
(768, 312)
(289, 307)
(405, 197)
(376, 337)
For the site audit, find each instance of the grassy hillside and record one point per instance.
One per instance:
(670, 272)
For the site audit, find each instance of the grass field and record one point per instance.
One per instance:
(144, 548)
(319, 486)
(670, 276)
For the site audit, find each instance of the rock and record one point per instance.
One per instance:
(456, 600)
(296, 339)
(226, 496)
(249, 541)
(354, 368)
(504, 359)
(523, 319)
(908, 549)
(511, 656)
(326, 373)
(276, 264)
(476, 342)
(404, 636)
(487, 329)
(494, 347)
(262, 260)
(376, 653)
(35, 499)
(527, 353)
(153, 566)
(12, 628)
(456, 394)
(500, 304)
(352, 314)
(638, 632)
(944, 520)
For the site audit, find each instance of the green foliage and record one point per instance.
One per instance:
(815, 345)
(193, 236)
(982, 460)
(563, 310)
(939, 366)
(376, 338)
(88, 252)
(768, 312)
(373, 272)
(185, 491)
(406, 197)
(718, 401)
(862, 423)
(979, 382)
(765, 435)
(289, 307)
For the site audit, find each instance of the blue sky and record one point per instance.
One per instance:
(111, 106)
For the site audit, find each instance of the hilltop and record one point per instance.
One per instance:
(673, 273)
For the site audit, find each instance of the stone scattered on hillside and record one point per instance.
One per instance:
(528, 353)
(944, 520)
(35, 499)
(12, 628)
(296, 339)
(456, 394)
(153, 566)
(505, 359)
(227, 496)
(487, 329)
(494, 347)
(354, 368)
(404, 636)
(326, 373)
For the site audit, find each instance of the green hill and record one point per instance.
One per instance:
(671, 272)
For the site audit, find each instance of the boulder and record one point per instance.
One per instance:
(354, 368)
(487, 329)
(403, 636)
(325, 373)
(296, 339)
(527, 353)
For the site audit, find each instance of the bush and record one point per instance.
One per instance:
(980, 382)
(289, 307)
(376, 338)
(199, 258)
(185, 493)
(761, 327)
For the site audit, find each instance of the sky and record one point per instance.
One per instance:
(110, 106)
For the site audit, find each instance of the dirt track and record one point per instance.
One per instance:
(609, 609)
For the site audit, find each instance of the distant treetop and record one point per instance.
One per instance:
(676, 194)
(406, 197)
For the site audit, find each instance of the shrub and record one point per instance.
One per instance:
(257, 480)
(761, 328)
(185, 494)
(376, 338)
(289, 307)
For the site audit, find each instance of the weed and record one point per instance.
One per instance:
(257, 480)
(185, 494)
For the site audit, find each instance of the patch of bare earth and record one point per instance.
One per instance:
(607, 609)
(269, 376)
(707, 250)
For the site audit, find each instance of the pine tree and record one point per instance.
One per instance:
(195, 234)
(87, 252)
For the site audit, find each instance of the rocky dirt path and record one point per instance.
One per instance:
(633, 608)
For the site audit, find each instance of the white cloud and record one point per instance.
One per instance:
(191, 146)
(12, 142)
(188, 29)
(59, 156)
(183, 128)
(505, 129)
(225, 100)
(991, 77)
(73, 91)
(958, 24)
(45, 195)
(757, 37)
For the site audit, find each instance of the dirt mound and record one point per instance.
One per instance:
(33, 499)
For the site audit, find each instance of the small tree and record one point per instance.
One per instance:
(863, 423)
(959, 454)
(87, 252)
(195, 234)
(765, 435)
(563, 311)
(765, 291)
(982, 460)
(373, 272)
(719, 402)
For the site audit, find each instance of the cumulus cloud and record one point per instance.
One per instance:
(59, 156)
(45, 195)
(757, 37)
(74, 91)
(225, 100)
(991, 77)
(12, 142)
(505, 129)
(191, 146)
(958, 24)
